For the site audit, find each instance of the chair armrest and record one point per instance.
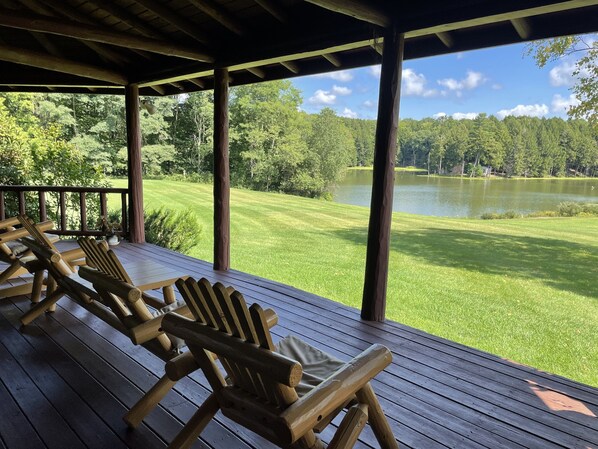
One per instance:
(22, 232)
(150, 329)
(9, 222)
(333, 392)
(72, 255)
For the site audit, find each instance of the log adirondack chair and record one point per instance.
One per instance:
(145, 328)
(144, 274)
(269, 389)
(20, 259)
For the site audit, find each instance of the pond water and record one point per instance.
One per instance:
(464, 197)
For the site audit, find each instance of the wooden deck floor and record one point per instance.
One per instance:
(66, 380)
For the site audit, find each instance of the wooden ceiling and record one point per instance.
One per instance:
(173, 46)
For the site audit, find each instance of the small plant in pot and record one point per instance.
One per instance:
(110, 229)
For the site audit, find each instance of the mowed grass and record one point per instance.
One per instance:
(525, 289)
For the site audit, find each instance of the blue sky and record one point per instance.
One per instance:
(499, 81)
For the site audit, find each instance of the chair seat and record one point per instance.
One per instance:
(317, 365)
(16, 247)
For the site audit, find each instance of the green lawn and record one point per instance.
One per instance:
(525, 289)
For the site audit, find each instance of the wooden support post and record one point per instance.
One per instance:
(221, 172)
(136, 221)
(376, 267)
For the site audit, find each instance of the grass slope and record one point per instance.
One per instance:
(524, 289)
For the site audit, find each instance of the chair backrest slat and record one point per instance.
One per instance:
(231, 322)
(34, 232)
(103, 258)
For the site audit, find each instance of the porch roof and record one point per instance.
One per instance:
(173, 46)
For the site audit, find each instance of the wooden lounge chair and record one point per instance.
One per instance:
(144, 274)
(20, 259)
(264, 386)
(145, 328)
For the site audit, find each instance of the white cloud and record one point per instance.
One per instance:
(375, 71)
(471, 81)
(415, 84)
(322, 97)
(342, 75)
(348, 113)
(460, 55)
(562, 75)
(561, 105)
(369, 104)
(496, 86)
(465, 115)
(531, 110)
(439, 115)
(341, 90)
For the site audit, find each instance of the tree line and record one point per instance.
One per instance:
(274, 145)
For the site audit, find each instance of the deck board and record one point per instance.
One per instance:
(83, 375)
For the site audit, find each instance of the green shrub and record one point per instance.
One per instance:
(571, 209)
(496, 216)
(178, 231)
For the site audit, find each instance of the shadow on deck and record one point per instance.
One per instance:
(67, 380)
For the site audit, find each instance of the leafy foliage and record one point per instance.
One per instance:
(585, 71)
(176, 230)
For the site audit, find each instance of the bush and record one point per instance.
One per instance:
(178, 231)
(504, 216)
(571, 209)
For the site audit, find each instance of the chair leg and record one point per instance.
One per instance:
(50, 289)
(351, 426)
(155, 394)
(376, 418)
(196, 424)
(48, 303)
(9, 272)
(38, 283)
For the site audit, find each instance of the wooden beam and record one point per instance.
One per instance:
(158, 89)
(135, 173)
(198, 82)
(358, 9)
(76, 30)
(523, 27)
(257, 72)
(291, 66)
(446, 39)
(221, 172)
(47, 44)
(44, 61)
(127, 17)
(274, 9)
(378, 247)
(378, 45)
(220, 15)
(165, 13)
(333, 59)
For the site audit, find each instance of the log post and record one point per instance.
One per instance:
(221, 172)
(378, 247)
(136, 220)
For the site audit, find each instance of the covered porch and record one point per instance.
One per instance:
(68, 379)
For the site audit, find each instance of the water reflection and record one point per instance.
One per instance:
(464, 197)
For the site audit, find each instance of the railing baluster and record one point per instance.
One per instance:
(43, 215)
(124, 214)
(22, 202)
(2, 206)
(83, 209)
(62, 211)
(103, 208)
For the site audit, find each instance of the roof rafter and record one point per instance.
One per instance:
(358, 9)
(221, 15)
(97, 34)
(186, 26)
(129, 18)
(274, 9)
(44, 61)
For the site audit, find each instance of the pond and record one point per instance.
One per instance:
(465, 197)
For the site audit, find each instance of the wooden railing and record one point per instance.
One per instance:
(61, 198)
